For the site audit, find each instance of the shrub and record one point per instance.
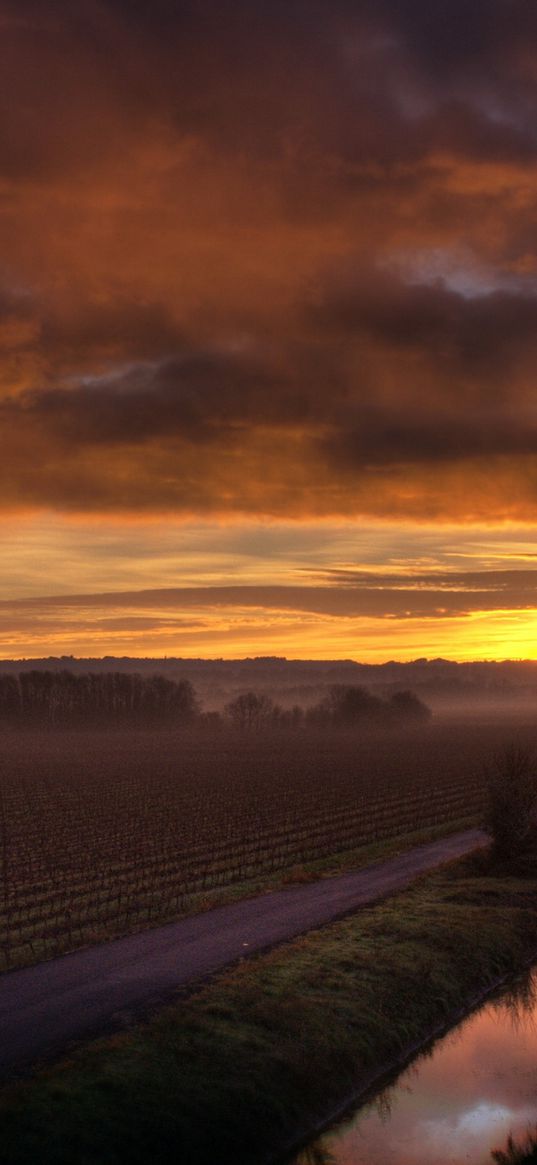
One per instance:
(512, 801)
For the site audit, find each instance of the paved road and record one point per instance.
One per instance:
(44, 1008)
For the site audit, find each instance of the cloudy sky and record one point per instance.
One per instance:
(268, 328)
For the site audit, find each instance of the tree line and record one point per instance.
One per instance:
(65, 697)
(344, 706)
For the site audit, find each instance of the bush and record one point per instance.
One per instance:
(512, 802)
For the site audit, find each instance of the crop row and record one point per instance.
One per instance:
(104, 832)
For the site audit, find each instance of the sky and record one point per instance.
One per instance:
(268, 328)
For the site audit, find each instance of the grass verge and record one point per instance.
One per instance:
(236, 1072)
(337, 863)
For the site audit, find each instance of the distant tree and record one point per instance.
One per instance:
(250, 712)
(319, 715)
(211, 720)
(66, 697)
(171, 700)
(10, 697)
(186, 704)
(285, 717)
(295, 716)
(511, 816)
(352, 704)
(348, 705)
(408, 708)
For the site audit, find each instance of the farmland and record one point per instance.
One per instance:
(102, 832)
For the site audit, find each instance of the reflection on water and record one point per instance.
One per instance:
(317, 1154)
(454, 1104)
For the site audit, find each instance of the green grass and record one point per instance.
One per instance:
(234, 1073)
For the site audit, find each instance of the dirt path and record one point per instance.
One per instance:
(46, 1007)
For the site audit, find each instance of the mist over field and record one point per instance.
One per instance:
(461, 690)
(111, 829)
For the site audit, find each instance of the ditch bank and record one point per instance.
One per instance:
(376, 1082)
(274, 1049)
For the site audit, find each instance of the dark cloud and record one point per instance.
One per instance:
(255, 77)
(109, 330)
(386, 596)
(199, 398)
(215, 234)
(378, 374)
(382, 441)
(471, 329)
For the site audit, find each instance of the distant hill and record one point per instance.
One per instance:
(461, 688)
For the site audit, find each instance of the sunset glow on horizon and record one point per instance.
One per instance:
(268, 329)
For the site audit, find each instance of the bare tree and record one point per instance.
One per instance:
(250, 712)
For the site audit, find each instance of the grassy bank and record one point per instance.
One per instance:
(234, 1073)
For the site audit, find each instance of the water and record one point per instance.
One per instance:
(456, 1103)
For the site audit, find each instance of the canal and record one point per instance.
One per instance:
(455, 1102)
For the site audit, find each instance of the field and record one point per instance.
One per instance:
(102, 833)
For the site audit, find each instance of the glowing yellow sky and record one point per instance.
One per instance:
(238, 634)
(365, 591)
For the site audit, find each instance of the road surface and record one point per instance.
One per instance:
(43, 1009)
